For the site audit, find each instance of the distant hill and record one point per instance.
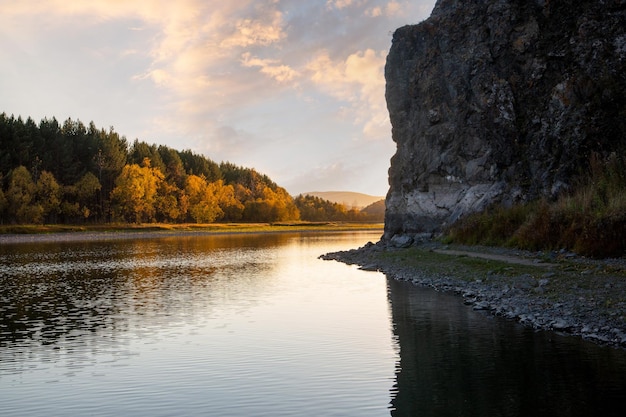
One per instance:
(347, 198)
(376, 210)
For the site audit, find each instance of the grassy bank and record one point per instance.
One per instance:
(209, 228)
(464, 266)
(549, 291)
(590, 220)
(475, 262)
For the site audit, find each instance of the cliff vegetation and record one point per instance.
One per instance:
(590, 220)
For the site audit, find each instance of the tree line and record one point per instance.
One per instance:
(68, 172)
(317, 209)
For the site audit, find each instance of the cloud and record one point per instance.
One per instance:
(252, 32)
(359, 81)
(394, 8)
(338, 4)
(271, 67)
(391, 9)
(201, 52)
(227, 76)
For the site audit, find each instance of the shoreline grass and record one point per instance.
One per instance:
(188, 227)
(589, 220)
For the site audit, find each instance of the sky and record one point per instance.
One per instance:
(291, 88)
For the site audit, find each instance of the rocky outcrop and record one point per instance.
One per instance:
(500, 101)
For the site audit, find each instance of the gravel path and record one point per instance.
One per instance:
(512, 259)
(556, 291)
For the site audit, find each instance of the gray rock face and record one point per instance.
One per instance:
(500, 101)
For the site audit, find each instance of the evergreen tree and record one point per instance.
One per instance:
(86, 194)
(110, 158)
(201, 166)
(140, 151)
(89, 173)
(174, 169)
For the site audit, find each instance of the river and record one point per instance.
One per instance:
(257, 325)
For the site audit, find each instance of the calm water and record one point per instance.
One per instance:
(256, 325)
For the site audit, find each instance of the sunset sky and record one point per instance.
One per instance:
(293, 88)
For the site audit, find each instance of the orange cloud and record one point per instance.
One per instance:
(200, 52)
(339, 4)
(393, 8)
(270, 67)
(358, 80)
(249, 32)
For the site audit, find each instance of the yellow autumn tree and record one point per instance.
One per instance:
(232, 208)
(271, 206)
(135, 194)
(48, 195)
(203, 204)
(171, 203)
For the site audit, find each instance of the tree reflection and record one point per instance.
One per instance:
(45, 299)
(457, 362)
(50, 292)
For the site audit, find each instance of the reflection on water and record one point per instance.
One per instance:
(204, 325)
(256, 325)
(52, 292)
(457, 362)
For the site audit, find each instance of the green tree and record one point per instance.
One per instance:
(82, 199)
(47, 153)
(62, 155)
(6, 143)
(20, 195)
(110, 158)
(312, 208)
(201, 166)
(48, 196)
(3, 200)
(140, 151)
(174, 168)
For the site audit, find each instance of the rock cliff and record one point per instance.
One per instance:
(498, 101)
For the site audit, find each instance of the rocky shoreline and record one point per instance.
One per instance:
(555, 291)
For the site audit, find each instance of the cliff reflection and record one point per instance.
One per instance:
(457, 362)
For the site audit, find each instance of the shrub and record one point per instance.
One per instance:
(591, 220)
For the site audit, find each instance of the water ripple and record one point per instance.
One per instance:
(191, 327)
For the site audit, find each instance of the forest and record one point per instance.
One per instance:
(70, 173)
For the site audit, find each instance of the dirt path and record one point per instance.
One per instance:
(495, 257)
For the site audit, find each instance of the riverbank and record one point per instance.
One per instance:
(42, 233)
(556, 291)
